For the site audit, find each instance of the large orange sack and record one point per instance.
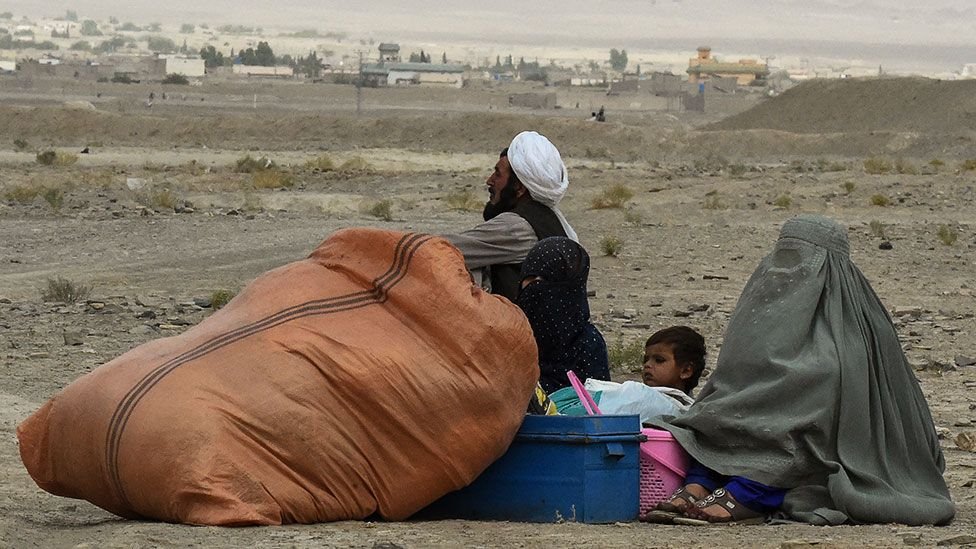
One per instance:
(370, 378)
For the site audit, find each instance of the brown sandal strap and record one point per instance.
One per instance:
(682, 493)
(737, 511)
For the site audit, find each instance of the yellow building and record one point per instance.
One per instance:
(704, 67)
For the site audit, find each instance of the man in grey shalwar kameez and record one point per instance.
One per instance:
(813, 394)
(525, 189)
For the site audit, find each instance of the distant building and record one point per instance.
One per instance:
(399, 74)
(187, 66)
(425, 73)
(280, 71)
(704, 66)
(389, 53)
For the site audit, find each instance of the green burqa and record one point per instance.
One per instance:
(813, 393)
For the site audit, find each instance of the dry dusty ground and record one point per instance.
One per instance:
(691, 234)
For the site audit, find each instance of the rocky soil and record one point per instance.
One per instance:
(156, 231)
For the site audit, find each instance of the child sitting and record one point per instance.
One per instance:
(674, 359)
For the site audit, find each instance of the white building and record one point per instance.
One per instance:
(259, 70)
(7, 66)
(404, 74)
(186, 66)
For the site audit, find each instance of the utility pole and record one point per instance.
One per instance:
(359, 84)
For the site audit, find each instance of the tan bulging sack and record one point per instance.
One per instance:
(372, 377)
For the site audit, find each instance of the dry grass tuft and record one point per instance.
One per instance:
(464, 200)
(615, 196)
(611, 245)
(626, 356)
(880, 200)
(382, 209)
(62, 290)
(947, 235)
(877, 165)
(271, 179)
(322, 163)
(24, 194)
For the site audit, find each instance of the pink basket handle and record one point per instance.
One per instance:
(585, 399)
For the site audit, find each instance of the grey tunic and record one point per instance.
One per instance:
(813, 393)
(506, 238)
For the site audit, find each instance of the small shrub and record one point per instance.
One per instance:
(252, 202)
(46, 158)
(65, 159)
(880, 200)
(711, 163)
(611, 245)
(54, 197)
(936, 163)
(321, 162)
(783, 201)
(163, 199)
(21, 145)
(220, 298)
(463, 199)
(176, 78)
(626, 356)
(23, 194)
(848, 187)
(738, 170)
(633, 216)
(355, 164)
(947, 235)
(877, 229)
(905, 167)
(62, 290)
(877, 165)
(271, 179)
(713, 202)
(249, 164)
(382, 210)
(968, 165)
(614, 196)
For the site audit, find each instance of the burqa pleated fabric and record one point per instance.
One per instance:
(559, 313)
(812, 392)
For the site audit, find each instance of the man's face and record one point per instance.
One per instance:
(498, 179)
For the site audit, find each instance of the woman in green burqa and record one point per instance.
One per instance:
(813, 410)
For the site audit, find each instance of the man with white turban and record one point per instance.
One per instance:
(524, 192)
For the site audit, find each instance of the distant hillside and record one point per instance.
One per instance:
(845, 106)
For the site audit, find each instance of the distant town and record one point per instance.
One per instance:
(126, 52)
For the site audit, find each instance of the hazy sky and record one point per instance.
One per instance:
(628, 24)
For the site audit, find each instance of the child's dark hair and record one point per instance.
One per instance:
(688, 347)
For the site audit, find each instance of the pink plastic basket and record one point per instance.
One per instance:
(663, 462)
(663, 467)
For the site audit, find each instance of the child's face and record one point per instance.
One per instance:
(660, 368)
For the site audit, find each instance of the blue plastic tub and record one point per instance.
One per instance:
(559, 468)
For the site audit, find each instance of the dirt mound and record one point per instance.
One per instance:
(865, 105)
(445, 132)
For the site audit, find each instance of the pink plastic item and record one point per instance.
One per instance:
(663, 462)
(585, 399)
(662, 468)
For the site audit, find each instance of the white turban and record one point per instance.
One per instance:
(536, 162)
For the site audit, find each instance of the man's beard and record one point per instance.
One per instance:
(506, 202)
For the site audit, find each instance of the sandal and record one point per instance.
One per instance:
(738, 513)
(667, 510)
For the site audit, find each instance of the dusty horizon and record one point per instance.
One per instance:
(936, 36)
